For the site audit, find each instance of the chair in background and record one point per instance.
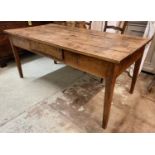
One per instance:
(119, 28)
(83, 24)
(151, 84)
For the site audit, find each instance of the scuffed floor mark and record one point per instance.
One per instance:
(81, 108)
(121, 92)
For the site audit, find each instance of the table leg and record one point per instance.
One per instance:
(135, 74)
(109, 89)
(17, 59)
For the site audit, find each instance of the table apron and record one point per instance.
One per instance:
(88, 64)
(37, 47)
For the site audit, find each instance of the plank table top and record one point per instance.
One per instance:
(101, 45)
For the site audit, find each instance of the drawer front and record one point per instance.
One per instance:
(20, 42)
(88, 64)
(46, 49)
(37, 47)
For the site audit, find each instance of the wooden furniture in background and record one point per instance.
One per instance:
(120, 27)
(136, 28)
(83, 24)
(79, 24)
(151, 84)
(5, 48)
(99, 53)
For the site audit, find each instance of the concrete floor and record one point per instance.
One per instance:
(58, 98)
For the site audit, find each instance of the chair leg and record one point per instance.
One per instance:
(151, 85)
(101, 80)
(55, 62)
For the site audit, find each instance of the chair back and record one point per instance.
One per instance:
(79, 24)
(119, 28)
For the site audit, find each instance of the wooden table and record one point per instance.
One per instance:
(102, 54)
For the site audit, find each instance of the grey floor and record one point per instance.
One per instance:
(42, 78)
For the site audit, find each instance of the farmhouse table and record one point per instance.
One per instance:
(103, 54)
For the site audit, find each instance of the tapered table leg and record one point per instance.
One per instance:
(17, 59)
(135, 74)
(109, 89)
